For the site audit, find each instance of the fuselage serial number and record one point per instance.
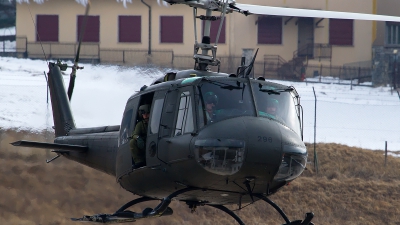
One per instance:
(264, 139)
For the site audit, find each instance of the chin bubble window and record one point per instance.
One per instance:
(220, 156)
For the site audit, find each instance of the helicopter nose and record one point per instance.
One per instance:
(227, 146)
(264, 147)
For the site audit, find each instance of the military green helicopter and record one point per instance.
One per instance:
(211, 139)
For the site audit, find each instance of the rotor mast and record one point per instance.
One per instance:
(203, 60)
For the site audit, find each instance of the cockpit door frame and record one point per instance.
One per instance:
(173, 148)
(152, 134)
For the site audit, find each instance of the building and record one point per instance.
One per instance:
(146, 32)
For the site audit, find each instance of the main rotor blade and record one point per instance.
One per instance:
(75, 67)
(280, 11)
(82, 31)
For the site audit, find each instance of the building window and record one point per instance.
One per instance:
(91, 30)
(184, 121)
(269, 30)
(129, 28)
(392, 33)
(340, 32)
(214, 31)
(47, 28)
(171, 29)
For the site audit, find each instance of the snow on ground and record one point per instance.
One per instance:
(365, 117)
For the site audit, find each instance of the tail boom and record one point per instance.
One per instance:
(62, 114)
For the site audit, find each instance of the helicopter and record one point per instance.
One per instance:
(235, 153)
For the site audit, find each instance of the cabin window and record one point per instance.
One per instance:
(156, 115)
(340, 32)
(214, 31)
(47, 28)
(91, 30)
(171, 29)
(392, 33)
(184, 121)
(125, 131)
(269, 30)
(129, 28)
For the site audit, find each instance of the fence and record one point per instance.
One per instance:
(269, 67)
(339, 74)
(162, 58)
(315, 51)
(89, 51)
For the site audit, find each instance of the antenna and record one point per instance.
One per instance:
(242, 69)
(75, 67)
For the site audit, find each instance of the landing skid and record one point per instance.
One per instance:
(124, 216)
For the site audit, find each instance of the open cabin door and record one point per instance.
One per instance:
(177, 126)
(124, 155)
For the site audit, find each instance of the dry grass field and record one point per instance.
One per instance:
(352, 187)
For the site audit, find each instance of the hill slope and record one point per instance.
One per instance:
(352, 187)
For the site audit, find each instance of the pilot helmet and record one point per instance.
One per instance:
(144, 109)
(271, 102)
(210, 97)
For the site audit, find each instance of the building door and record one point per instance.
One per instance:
(305, 45)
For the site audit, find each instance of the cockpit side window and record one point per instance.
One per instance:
(125, 127)
(184, 121)
(277, 103)
(156, 115)
(128, 121)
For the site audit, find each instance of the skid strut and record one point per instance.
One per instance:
(124, 216)
(223, 208)
(306, 221)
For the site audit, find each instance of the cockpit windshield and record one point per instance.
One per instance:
(222, 99)
(277, 103)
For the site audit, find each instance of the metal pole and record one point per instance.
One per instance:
(222, 21)
(351, 81)
(207, 28)
(395, 72)
(385, 153)
(315, 133)
(148, 6)
(320, 72)
(47, 87)
(194, 25)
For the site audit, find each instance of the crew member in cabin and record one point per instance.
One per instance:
(138, 138)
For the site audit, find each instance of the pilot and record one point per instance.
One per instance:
(138, 138)
(271, 109)
(211, 101)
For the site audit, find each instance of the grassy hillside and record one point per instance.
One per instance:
(352, 187)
